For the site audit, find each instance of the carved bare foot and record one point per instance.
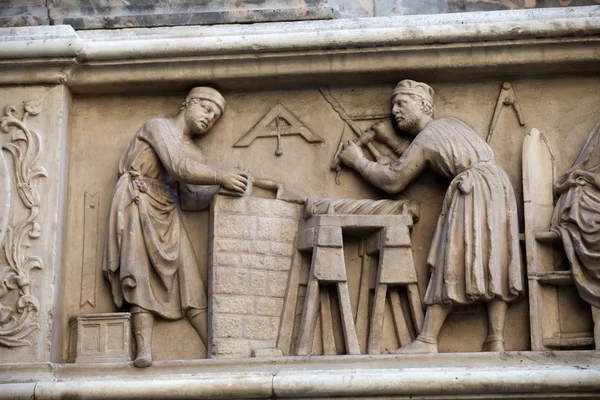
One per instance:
(416, 347)
(143, 359)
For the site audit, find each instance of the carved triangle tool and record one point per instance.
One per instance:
(507, 97)
(336, 163)
(276, 123)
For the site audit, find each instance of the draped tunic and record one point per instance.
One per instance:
(577, 218)
(149, 259)
(474, 254)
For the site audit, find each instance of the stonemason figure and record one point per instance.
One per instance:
(474, 255)
(149, 261)
(577, 221)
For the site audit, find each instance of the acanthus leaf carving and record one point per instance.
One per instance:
(17, 323)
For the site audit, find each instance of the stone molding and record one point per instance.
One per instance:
(445, 46)
(511, 375)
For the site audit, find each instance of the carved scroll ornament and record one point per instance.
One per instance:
(24, 147)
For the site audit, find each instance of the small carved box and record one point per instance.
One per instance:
(100, 338)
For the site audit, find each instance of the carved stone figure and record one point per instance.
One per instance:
(474, 255)
(149, 261)
(577, 221)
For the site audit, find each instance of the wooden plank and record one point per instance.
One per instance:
(556, 278)
(376, 331)
(568, 343)
(416, 308)
(347, 319)
(307, 323)
(362, 311)
(327, 323)
(402, 332)
(288, 315)
(538, 197)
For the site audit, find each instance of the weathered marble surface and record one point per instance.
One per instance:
(23, 13)
(94, 14)
(360, 60)
(31, 252)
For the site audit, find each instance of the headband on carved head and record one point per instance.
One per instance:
(207, 93)
(408, 86)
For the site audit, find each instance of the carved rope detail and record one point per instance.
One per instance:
(24, 148)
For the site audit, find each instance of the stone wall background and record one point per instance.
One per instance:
(561, 108)
(108, 14)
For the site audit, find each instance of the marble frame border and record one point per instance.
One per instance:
(442, 47)
(524, 43)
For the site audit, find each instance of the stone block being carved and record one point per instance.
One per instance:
(251, 247)
(100, 338)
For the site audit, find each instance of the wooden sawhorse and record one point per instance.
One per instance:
(388, 236)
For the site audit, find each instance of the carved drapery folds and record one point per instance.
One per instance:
(18, 319)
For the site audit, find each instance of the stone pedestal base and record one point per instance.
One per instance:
(100, 338)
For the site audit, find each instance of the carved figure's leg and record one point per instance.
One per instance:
(596, 318)
(143, 322)
(198, 320)
(426, 342)
(496, 318)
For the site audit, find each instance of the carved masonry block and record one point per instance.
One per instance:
(100, 338)
(252, 241)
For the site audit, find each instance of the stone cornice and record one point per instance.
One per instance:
(434, 47)
(511, 375)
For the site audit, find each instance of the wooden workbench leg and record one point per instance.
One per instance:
(307, 323)
(362, 311)
(376, 330)
(347, 319)
(416, 308)
(329, 348)
(402, 332)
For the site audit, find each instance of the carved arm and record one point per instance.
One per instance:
(196, 197)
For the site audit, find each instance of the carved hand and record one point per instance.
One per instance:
(350, 154)
(233, 179)
(384, 133)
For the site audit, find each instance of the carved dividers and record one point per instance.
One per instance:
(17, 323)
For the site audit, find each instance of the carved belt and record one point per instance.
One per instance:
(141, 184)
(464, 180)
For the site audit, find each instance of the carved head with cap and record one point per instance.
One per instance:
(203, 106)
(412, 104)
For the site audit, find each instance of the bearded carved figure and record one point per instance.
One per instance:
(474, 255)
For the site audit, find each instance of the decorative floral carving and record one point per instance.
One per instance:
(17, 323)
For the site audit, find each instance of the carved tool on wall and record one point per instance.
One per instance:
(89, 263)
(507, 97)
(364, 139)
(276, 123)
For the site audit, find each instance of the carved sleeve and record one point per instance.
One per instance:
(182, 167)
(196, 197)
(395, 177)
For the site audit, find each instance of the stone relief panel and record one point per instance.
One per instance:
(562, 251)
(19, 321)
(32, 136)
(246, 292)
